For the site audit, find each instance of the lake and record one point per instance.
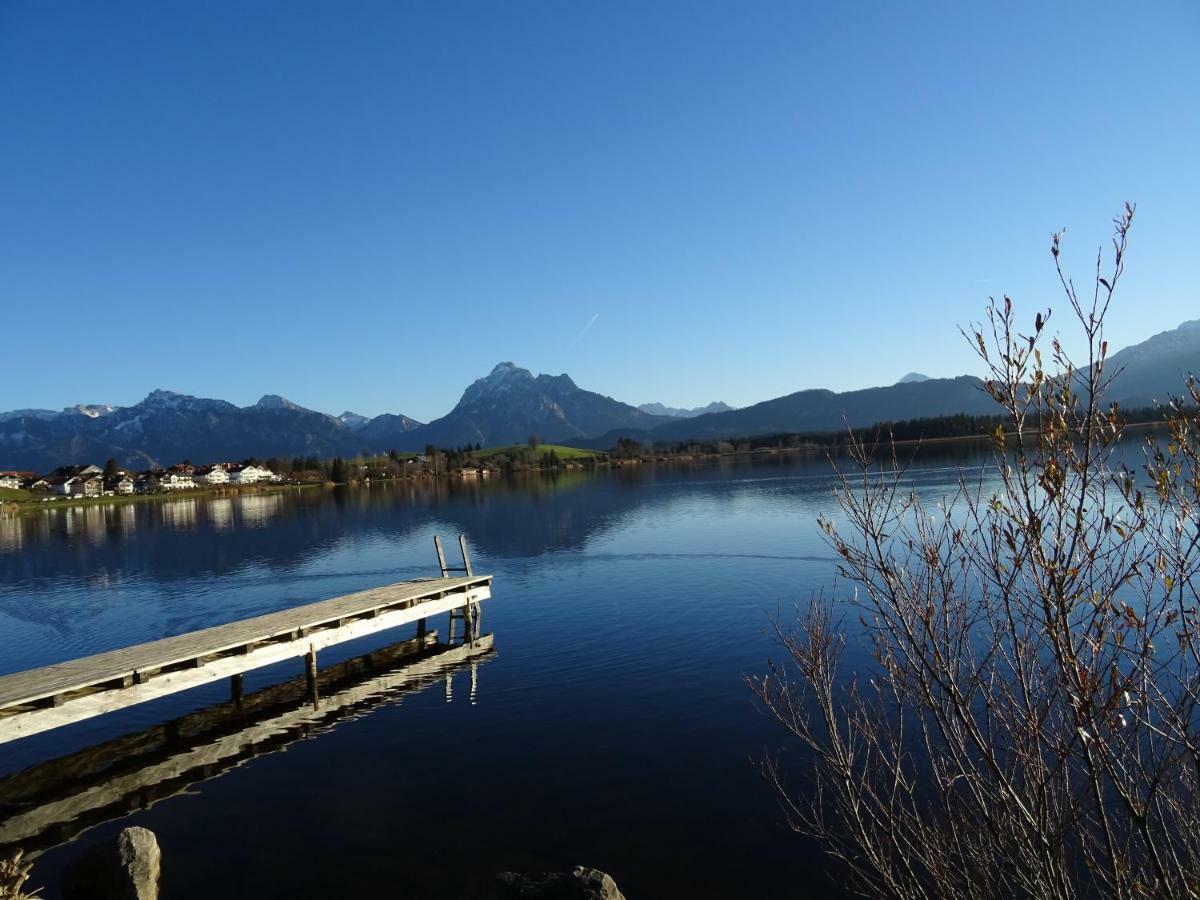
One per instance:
(611, 727)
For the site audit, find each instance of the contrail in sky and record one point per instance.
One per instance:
(591, 322)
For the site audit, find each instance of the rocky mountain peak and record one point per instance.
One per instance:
(274, 401)
(556, 383)
(503, 379)
(159, 397)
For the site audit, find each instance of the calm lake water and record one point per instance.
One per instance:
(612, 727)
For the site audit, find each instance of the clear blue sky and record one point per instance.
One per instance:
(367, 205)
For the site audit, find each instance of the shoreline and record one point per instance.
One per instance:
(601, 460)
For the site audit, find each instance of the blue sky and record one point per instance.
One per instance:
(368, 205)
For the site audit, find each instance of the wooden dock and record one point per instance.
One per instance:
(55, 801)
(40, 699)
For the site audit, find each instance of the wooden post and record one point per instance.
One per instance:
(421, 630)
(310, 673)
(236, 688)
(462, 545)
(437, 543)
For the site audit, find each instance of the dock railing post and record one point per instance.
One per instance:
(437, 543)
(462, 545)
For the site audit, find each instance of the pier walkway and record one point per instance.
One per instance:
(40, 699)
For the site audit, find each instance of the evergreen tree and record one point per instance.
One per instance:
(338, 471)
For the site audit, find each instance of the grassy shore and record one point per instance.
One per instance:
(515, 449)
(27, 502)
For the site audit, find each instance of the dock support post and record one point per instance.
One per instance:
(237, 685)
(310, 674)
(421, 631)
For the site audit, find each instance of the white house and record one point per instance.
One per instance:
(124, 485)
(217, 474)
(10, 480)
(174, 481)
(250, 474)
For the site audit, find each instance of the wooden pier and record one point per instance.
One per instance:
(41, 699)
(53, 802)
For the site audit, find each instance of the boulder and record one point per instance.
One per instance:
(125, 869)
(581, 883)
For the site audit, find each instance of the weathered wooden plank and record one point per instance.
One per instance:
(134, 663)
(75, 708)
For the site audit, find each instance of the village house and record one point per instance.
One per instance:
(89, 485)
(15, 480)
(210, 475)
(124, 484)
(172, 480)
(250, 474)
(60, 484)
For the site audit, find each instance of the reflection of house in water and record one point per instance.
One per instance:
(127, 517)
(85, 521)
(257, 509)
(220, 513)
(55, 801)
(180, 514)
(95, 524)
(12, 536)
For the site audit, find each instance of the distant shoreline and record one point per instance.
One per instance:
(29, 504)
(35, 504)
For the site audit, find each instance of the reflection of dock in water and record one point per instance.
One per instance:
(53, 802)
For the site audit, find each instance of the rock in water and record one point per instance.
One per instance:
(141, 861)
(581, 883)
(127, 869)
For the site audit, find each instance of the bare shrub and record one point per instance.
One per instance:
(1028, 724)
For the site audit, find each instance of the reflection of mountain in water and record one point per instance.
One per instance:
(190, 537)
(53, 802)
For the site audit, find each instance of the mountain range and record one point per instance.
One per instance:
(675, 412)
(507, 406)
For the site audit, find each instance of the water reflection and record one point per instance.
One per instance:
(12, 535)
(220, 513)
(616, 729)
(180, 515)
(53, 802)
(256, 510)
